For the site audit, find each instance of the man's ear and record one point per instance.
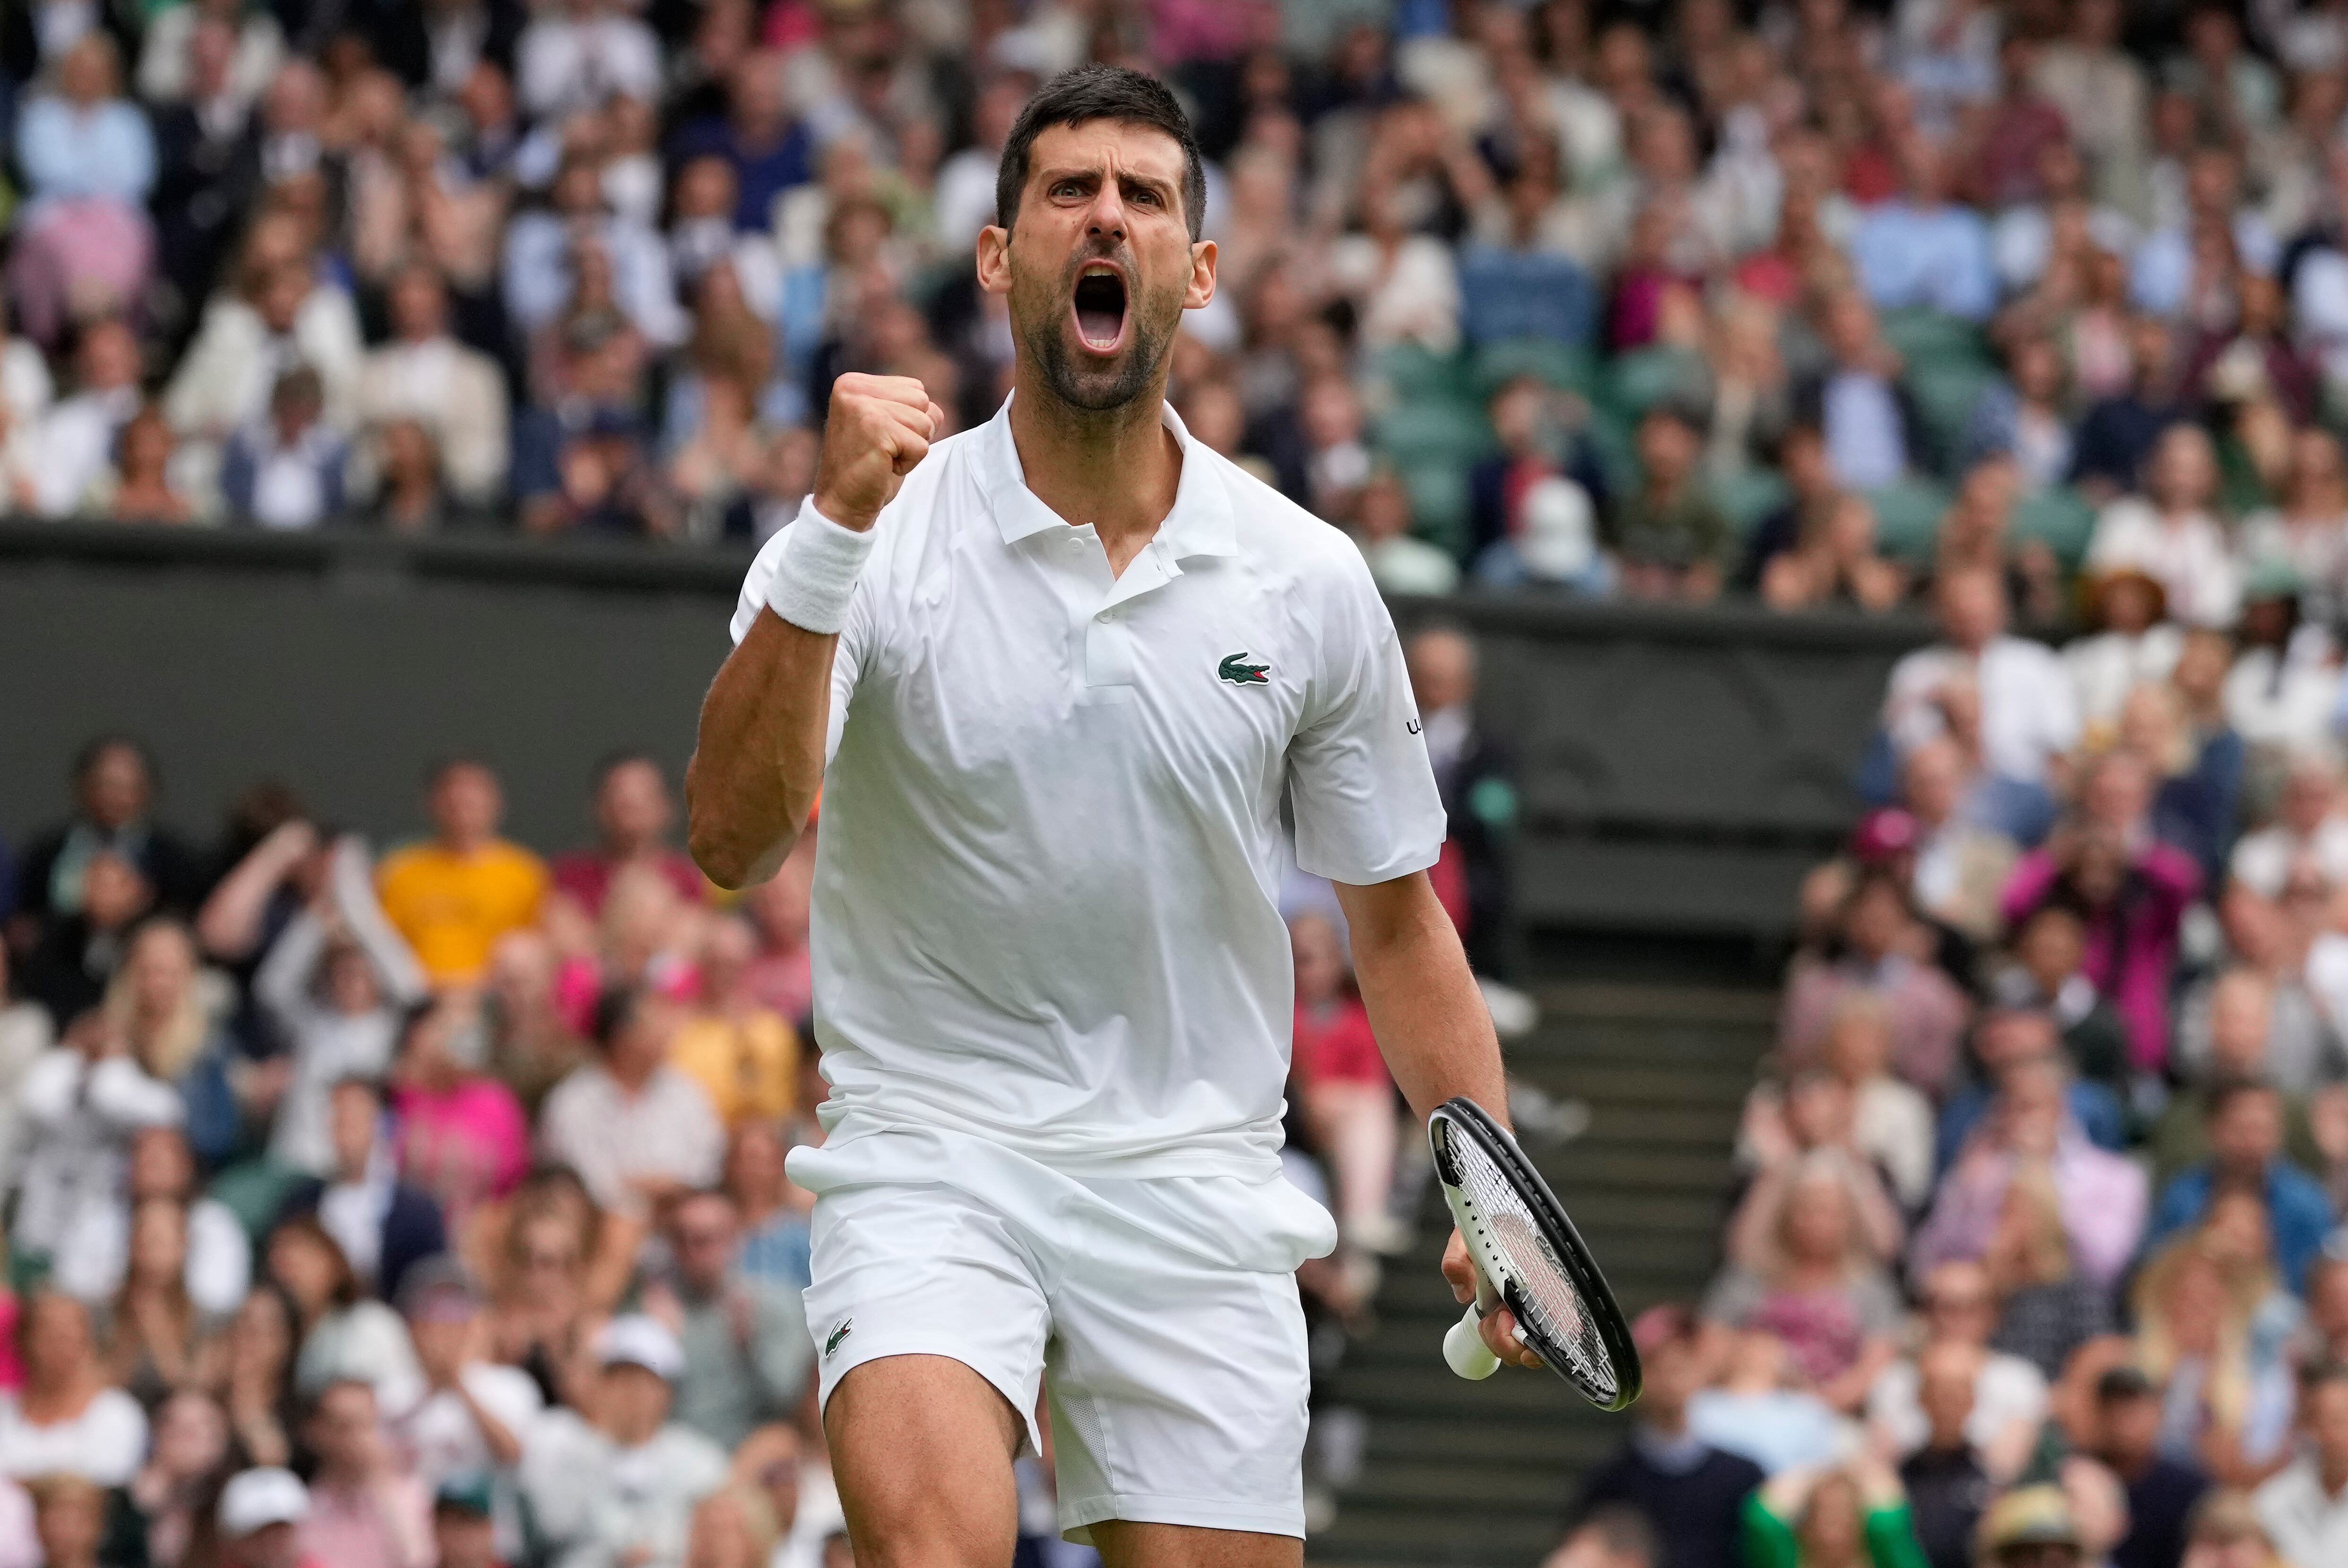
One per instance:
(1203, 275)
(995, 259)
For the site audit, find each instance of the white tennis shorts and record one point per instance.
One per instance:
(1177, 1383)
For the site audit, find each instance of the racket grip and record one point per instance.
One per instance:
(1464, 1350)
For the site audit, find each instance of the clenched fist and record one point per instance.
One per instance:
(879, 427)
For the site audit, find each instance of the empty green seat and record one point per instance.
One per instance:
(1908, 518)
(2060, 518)
(1443, 430)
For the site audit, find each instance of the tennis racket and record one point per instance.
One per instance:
(1529, 1258)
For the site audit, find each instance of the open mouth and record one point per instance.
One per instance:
(1100, 310)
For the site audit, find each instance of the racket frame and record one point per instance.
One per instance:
(1460, 1117)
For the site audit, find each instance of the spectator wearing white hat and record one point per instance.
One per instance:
(621, 1487)
(258, 1512)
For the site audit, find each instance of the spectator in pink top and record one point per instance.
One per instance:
(633, 813)
(2131, 890)
(458, 1134)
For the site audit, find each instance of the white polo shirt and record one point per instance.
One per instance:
(1044, 906)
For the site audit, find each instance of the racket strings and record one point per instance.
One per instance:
(1546, 1291)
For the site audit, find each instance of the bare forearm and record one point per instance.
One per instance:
(1423, 1004)
(759, 760)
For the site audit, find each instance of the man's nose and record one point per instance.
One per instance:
(1107, 215)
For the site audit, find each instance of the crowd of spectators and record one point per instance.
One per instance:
(2038, 1246)
(425, 1210)
(1809, 299)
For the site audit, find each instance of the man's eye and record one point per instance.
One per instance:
(1067, 188)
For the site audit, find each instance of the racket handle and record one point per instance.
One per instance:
(1464, 1350)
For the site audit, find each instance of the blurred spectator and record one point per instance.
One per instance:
(84, 246)
(257, 1382)
(2006, 1401)
(2134, 642)
(2130, 893)
(68, 1417)
(1400, 564)
(94, 1259)
(453, 392)
(1946, 1479)
(2029, 1127)
(2245, 1131)
(747, 1355)
(452, 896)
(158, 1344)
(622, 1484)
(340, 1333)
(1870, 430)
(2047, 1307)
(2301, 1509)
(2118, 432)
(1348, 1099)
(1822, 1516)
(288, 470)
(2170, 534)
(335, 986)
(1669, 537)
(1817, 1287)
(772, 1211)
(1923, 249)
(115, 785)
(475, 1414)
(1689, 1493)
(1474, 771)
(1960, 865)
(2028, 715)
(1761, 1410)
(2309, 531)
(635, 1128)
(383, 1226)
(261, 1510)
(182, 1474)
(635, 814)
(2222, 1351)
(460, 1136)
(1615, 1536)
(2161, 1491)
(2022, 417)
(1879, 947)
(744, 1056)
(365, 1509)
(282, 319)
(1835, 564)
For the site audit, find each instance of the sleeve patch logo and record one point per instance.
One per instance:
(831, 1341)
(1236, 669)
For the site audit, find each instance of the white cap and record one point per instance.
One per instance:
(634, 1340)
(257, 1499)
(1561, 533)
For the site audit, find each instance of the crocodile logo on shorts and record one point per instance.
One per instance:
(831, 1342)
(1238, 672)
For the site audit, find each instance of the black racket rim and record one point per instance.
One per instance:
(1462, 1117)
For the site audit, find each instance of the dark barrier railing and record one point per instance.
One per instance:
(1678, 767)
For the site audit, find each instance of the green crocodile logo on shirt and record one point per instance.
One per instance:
(1238, 672)
(832, 1343)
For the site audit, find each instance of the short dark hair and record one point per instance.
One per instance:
(97, 745)
(1100, 92)
(615, 1008)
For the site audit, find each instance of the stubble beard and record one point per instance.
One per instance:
(1049, 333)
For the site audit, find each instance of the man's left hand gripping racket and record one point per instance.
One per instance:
(1529, 1258)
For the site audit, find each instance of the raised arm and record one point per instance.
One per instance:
(761, 755)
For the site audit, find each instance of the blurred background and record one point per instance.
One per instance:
(1861, 488)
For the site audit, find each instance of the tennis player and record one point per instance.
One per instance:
(1055, 676)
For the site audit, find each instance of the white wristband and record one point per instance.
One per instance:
(816, 571)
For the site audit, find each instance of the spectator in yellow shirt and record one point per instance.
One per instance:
(745, 1056)
(453, 896)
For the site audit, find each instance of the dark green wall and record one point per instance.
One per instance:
(1679, 769)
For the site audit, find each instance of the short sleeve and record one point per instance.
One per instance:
(848, 656)
(1367, 809)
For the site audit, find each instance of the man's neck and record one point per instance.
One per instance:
(462, 849)
(1115, 469)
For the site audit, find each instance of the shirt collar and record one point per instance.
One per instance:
(1201, 522)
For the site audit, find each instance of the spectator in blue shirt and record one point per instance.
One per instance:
(1921, 249)
(2009, 1037)
(84, 138)
(769, 150)
(2246, 1129)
